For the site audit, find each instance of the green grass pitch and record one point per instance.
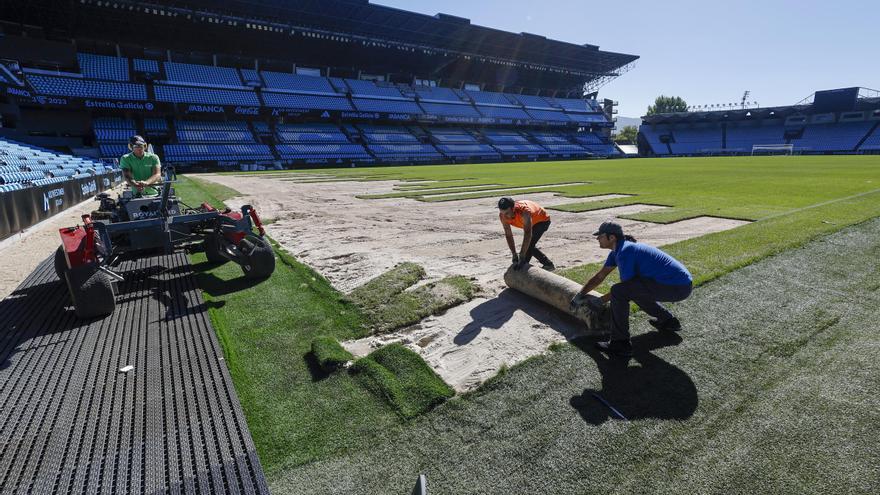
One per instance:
(770, 389)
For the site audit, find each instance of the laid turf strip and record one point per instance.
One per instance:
(297, 411)
(388, 305)
(770, 388)
(329, 353)
(402, 377)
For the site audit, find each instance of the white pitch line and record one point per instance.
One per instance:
(817, 205)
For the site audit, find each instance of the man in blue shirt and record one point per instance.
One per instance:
(647, 276)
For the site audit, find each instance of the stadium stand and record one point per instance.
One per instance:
(155, 125)
(202, 74)
(548, 115)
(872, 141)
(503, 112)
(395, 106)
(217, 152)
(281, 107)
(148, 66)
(85, 88)
(405, 152)
(443, 109)
(291, 100)
(437, 94)
(832, 137)
(742, 136)
(322, 152)
(310, 133)
(298, 83)
(481, 151)
(103, 67)
(23, 166)
(207, 96)
(835, 121)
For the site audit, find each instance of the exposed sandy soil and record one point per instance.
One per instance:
(22, 252)
(350, 241)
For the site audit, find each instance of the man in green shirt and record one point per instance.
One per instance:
(140, 168)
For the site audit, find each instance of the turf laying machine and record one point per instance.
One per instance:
(129, 228)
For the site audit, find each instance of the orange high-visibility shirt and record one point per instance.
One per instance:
(538, 214)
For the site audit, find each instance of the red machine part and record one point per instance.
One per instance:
(257, 222)
(234, 236)
(79, 243)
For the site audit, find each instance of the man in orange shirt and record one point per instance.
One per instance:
(534, 221)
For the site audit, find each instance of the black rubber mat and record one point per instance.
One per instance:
(72, 422)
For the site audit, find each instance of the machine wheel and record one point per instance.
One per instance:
(212, 249)
(259, 259)
(60, 263)
(91, 291)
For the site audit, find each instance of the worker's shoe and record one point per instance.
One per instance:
(619, 348)
(549, 266)
(670, 325)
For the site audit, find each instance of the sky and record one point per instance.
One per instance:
(703, 51)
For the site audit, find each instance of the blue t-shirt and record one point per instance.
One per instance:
(634, 259)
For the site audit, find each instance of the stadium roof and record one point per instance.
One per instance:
(441, 31)
(342, 37)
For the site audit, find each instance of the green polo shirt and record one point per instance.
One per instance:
(141, 168)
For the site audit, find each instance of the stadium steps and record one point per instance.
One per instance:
(867, 135)
(73, 422)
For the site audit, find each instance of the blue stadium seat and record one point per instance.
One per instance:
(468, 150)
(202, 74)
(390, 106)
(587, 118)
(113, 123)
(369, 88)
(112, 150)
(307, 102)
(103, 67)
(251, 77)
(549, 137)
(503, 112)
(329, 151)
(832, 137)
(206, 96)
(872, 142)
(577, 106)
(536, 102)
(113, 135)
(81, 88)
(405, 152)
(449, 109)
(505, 138)
(296, 82)
(438, 95)
(156, 124)
(696, 140)
(741, 137)
(216, 151)
(184, 136)
(548, 115)
(144, 65)
(521, 149)
(490, 98)
(394, 137)
(566, 149)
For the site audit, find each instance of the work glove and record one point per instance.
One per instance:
(574, 303)
(595, 304)
(515, 259)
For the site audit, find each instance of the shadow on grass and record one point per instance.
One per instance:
(653, 388)
(216, 286)
(495, 312)
(318, 373)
